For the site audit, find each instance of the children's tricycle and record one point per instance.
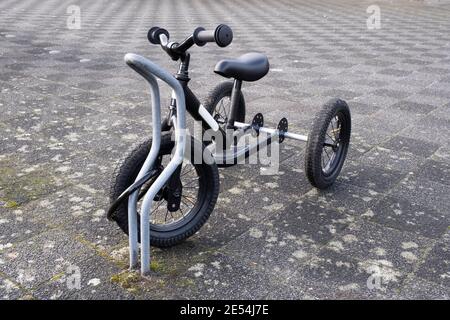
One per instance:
(173, 177)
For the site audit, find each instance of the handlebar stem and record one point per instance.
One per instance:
(186, 44)
(174, 49)
(183, 69)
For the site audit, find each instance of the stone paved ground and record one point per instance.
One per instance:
(70, 108)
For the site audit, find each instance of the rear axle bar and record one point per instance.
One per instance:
(294, 136)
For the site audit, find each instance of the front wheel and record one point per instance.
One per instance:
(328, 143)
(200, 189)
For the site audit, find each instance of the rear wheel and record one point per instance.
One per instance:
(328, 143)
(200, 189)
(218, 104)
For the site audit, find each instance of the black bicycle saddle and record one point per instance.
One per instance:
(248, 67)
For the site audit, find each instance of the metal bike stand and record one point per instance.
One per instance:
(149, 71)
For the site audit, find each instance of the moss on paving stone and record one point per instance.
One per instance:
(129, 280)
(101, 252)
(185, 282)
(134, 283)
(9, 204)
(20, 188)
(57, 277)
(164, 273)
(156, 266)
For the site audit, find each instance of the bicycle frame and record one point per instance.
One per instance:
(199, 113)
(193, 105)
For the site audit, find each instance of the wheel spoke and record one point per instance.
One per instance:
(181, 210)
(334, 141)
(328, 155)
(190, 187)
(193, 168)
(182, 202)
(223, 111)
(224, 115)
(157, 207)
(338, 131)
(333, 130)
(190, 182)
(187, 198)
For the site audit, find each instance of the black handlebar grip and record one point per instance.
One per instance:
(154, 33)
(222, 35)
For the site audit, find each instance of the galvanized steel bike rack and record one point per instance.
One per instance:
(150, 72)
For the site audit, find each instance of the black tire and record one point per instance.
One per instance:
(208, 180)
(320, 143)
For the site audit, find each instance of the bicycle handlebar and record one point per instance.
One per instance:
(154, 34)
(222, 36)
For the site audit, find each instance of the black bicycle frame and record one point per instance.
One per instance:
(192, 102)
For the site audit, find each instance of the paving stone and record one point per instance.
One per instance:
(94, 283)
(332, 275)
(221, 276)
(344, 197)
(412, 107)
(371, 242)
(442, 112)
(362, 108)
(392, 159)
(234, 215)
(71, 109)
(378, 128)
(312, 222)
(425, 192)
(409, 216)
(435, 267)
(139, 112)
(17, 225)
(442, 154)
(418, 289)
(38, 259)
(422, 132)
(435, 171)
(21, 185)
(283, 243)
(9, 290)
(374, 178)
(411, 145)
(79, 210)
